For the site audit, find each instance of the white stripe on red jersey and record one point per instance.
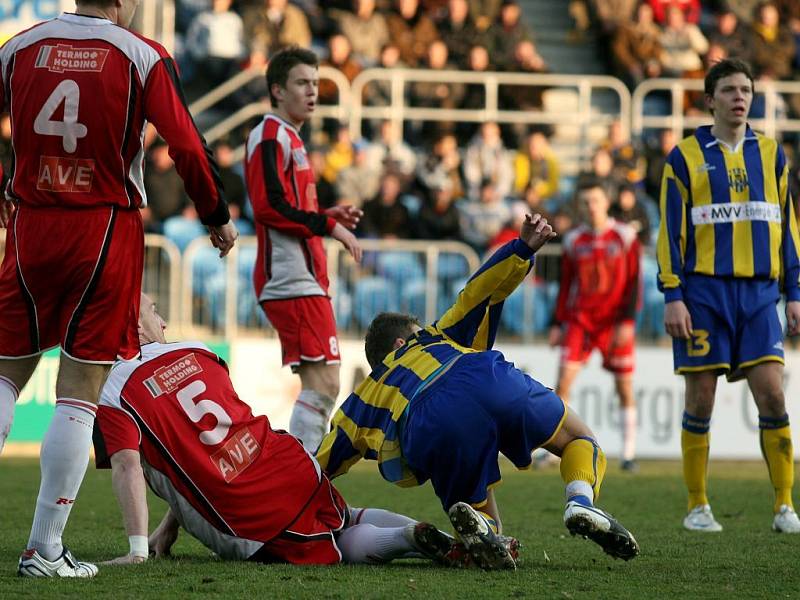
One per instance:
(291, 258)
(224, 472)
(80, 91)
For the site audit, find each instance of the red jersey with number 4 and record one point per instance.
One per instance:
(79, 91)
(233, 482)
(280, 182)
(600, 282)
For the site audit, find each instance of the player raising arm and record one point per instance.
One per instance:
(727, 245)
(440, 404)
(291, 272)
(79, 89)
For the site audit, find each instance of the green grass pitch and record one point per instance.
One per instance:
(746, 560)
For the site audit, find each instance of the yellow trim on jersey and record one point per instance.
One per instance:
(667, 271)
(704, 238)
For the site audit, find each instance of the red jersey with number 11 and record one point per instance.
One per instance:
(233, 482)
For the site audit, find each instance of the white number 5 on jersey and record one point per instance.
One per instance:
(69, 130)
(195, 412)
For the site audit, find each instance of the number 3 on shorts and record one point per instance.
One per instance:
(697, 345)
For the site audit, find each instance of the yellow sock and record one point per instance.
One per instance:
(694, 446)
(490, 520)
(583, 460)
(776, 446)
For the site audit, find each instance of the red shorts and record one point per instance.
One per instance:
(579, 342)
(310, 539)
(306, 327)
(72, 277)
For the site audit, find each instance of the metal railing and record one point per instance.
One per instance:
(155, 19)
(772, 124)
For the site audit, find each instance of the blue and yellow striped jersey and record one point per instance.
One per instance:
(727, 213)
(368, 424)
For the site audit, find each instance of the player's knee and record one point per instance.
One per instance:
(771, 402)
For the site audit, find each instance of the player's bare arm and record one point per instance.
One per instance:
(677, 320)
(164, 536)
(347, 215)
(348, 240)
(127, 479)
(224, 237)
(536, 231)
(793, 317)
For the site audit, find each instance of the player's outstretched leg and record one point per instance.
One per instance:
(582, 468)
(33, 564)
(485, 547)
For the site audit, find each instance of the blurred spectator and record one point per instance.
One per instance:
(390, 152)
(6, 152)
(523, 97)
(442, 167)
(232, 181)
(318, 15)
(732, 34)
(411, 30)
(636, 48)
(385, 216)
(340, 57)
(537, 167)
(435, 94)
(534, 203)
(656, 159)
(366, 30)
(790, 16)
(438, 217)
(772, 44)
(379, 93)
(629, 163)
(274, 25)
(484, 12)
(487, 160)
(506, 33)
(683, 44)
(689, 8)
(474, 93)
(482, 220)
(339, 155)
(357, 183)
(163, 186)
(215, 42)
(628, 209)
(459, 33)
(326, 192)
(744, 9)
(510, 230)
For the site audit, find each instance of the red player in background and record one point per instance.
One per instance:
(597, 304)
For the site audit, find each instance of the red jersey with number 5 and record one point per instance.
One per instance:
(233, 482)
(600, 282)
(80, 91)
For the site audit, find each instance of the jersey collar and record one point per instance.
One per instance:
(83, 19)
(707, 139)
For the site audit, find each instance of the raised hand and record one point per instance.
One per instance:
(347, 215)
(536, 231)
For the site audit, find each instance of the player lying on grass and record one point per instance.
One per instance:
(440, 404)
(172, 419)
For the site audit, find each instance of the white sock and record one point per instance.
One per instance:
(629, 422)
(309, 420)
(64, 458)
(579, 488)
(367, 544)
(379, 517)
(8, 399)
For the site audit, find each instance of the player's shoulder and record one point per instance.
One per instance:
(24, 38)
(625, 232)
(146, 41)
(573, 235)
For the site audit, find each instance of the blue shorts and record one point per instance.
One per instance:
(735, 323)
(481, 406)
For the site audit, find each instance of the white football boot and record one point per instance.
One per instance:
(700, 518)
(786, 520)
(33, 564)
(604, 530)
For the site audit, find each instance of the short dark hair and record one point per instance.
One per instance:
(383, 331)
(589, 183)
(724, 68)
(284, 61)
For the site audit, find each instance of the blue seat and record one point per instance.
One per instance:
(452, 266)
(206, 264)
(245, 227)
(528, 310)
(372, 295)
(650, 320)
(246, 261)
(181, 231)
(413, 298)
(399, 267)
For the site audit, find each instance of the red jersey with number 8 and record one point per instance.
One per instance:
(80, 91)
(203, 450)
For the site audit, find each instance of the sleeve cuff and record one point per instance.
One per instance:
(522, 249)
(793, 294)
(329, 225)
(220, 215)
(673, 294)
